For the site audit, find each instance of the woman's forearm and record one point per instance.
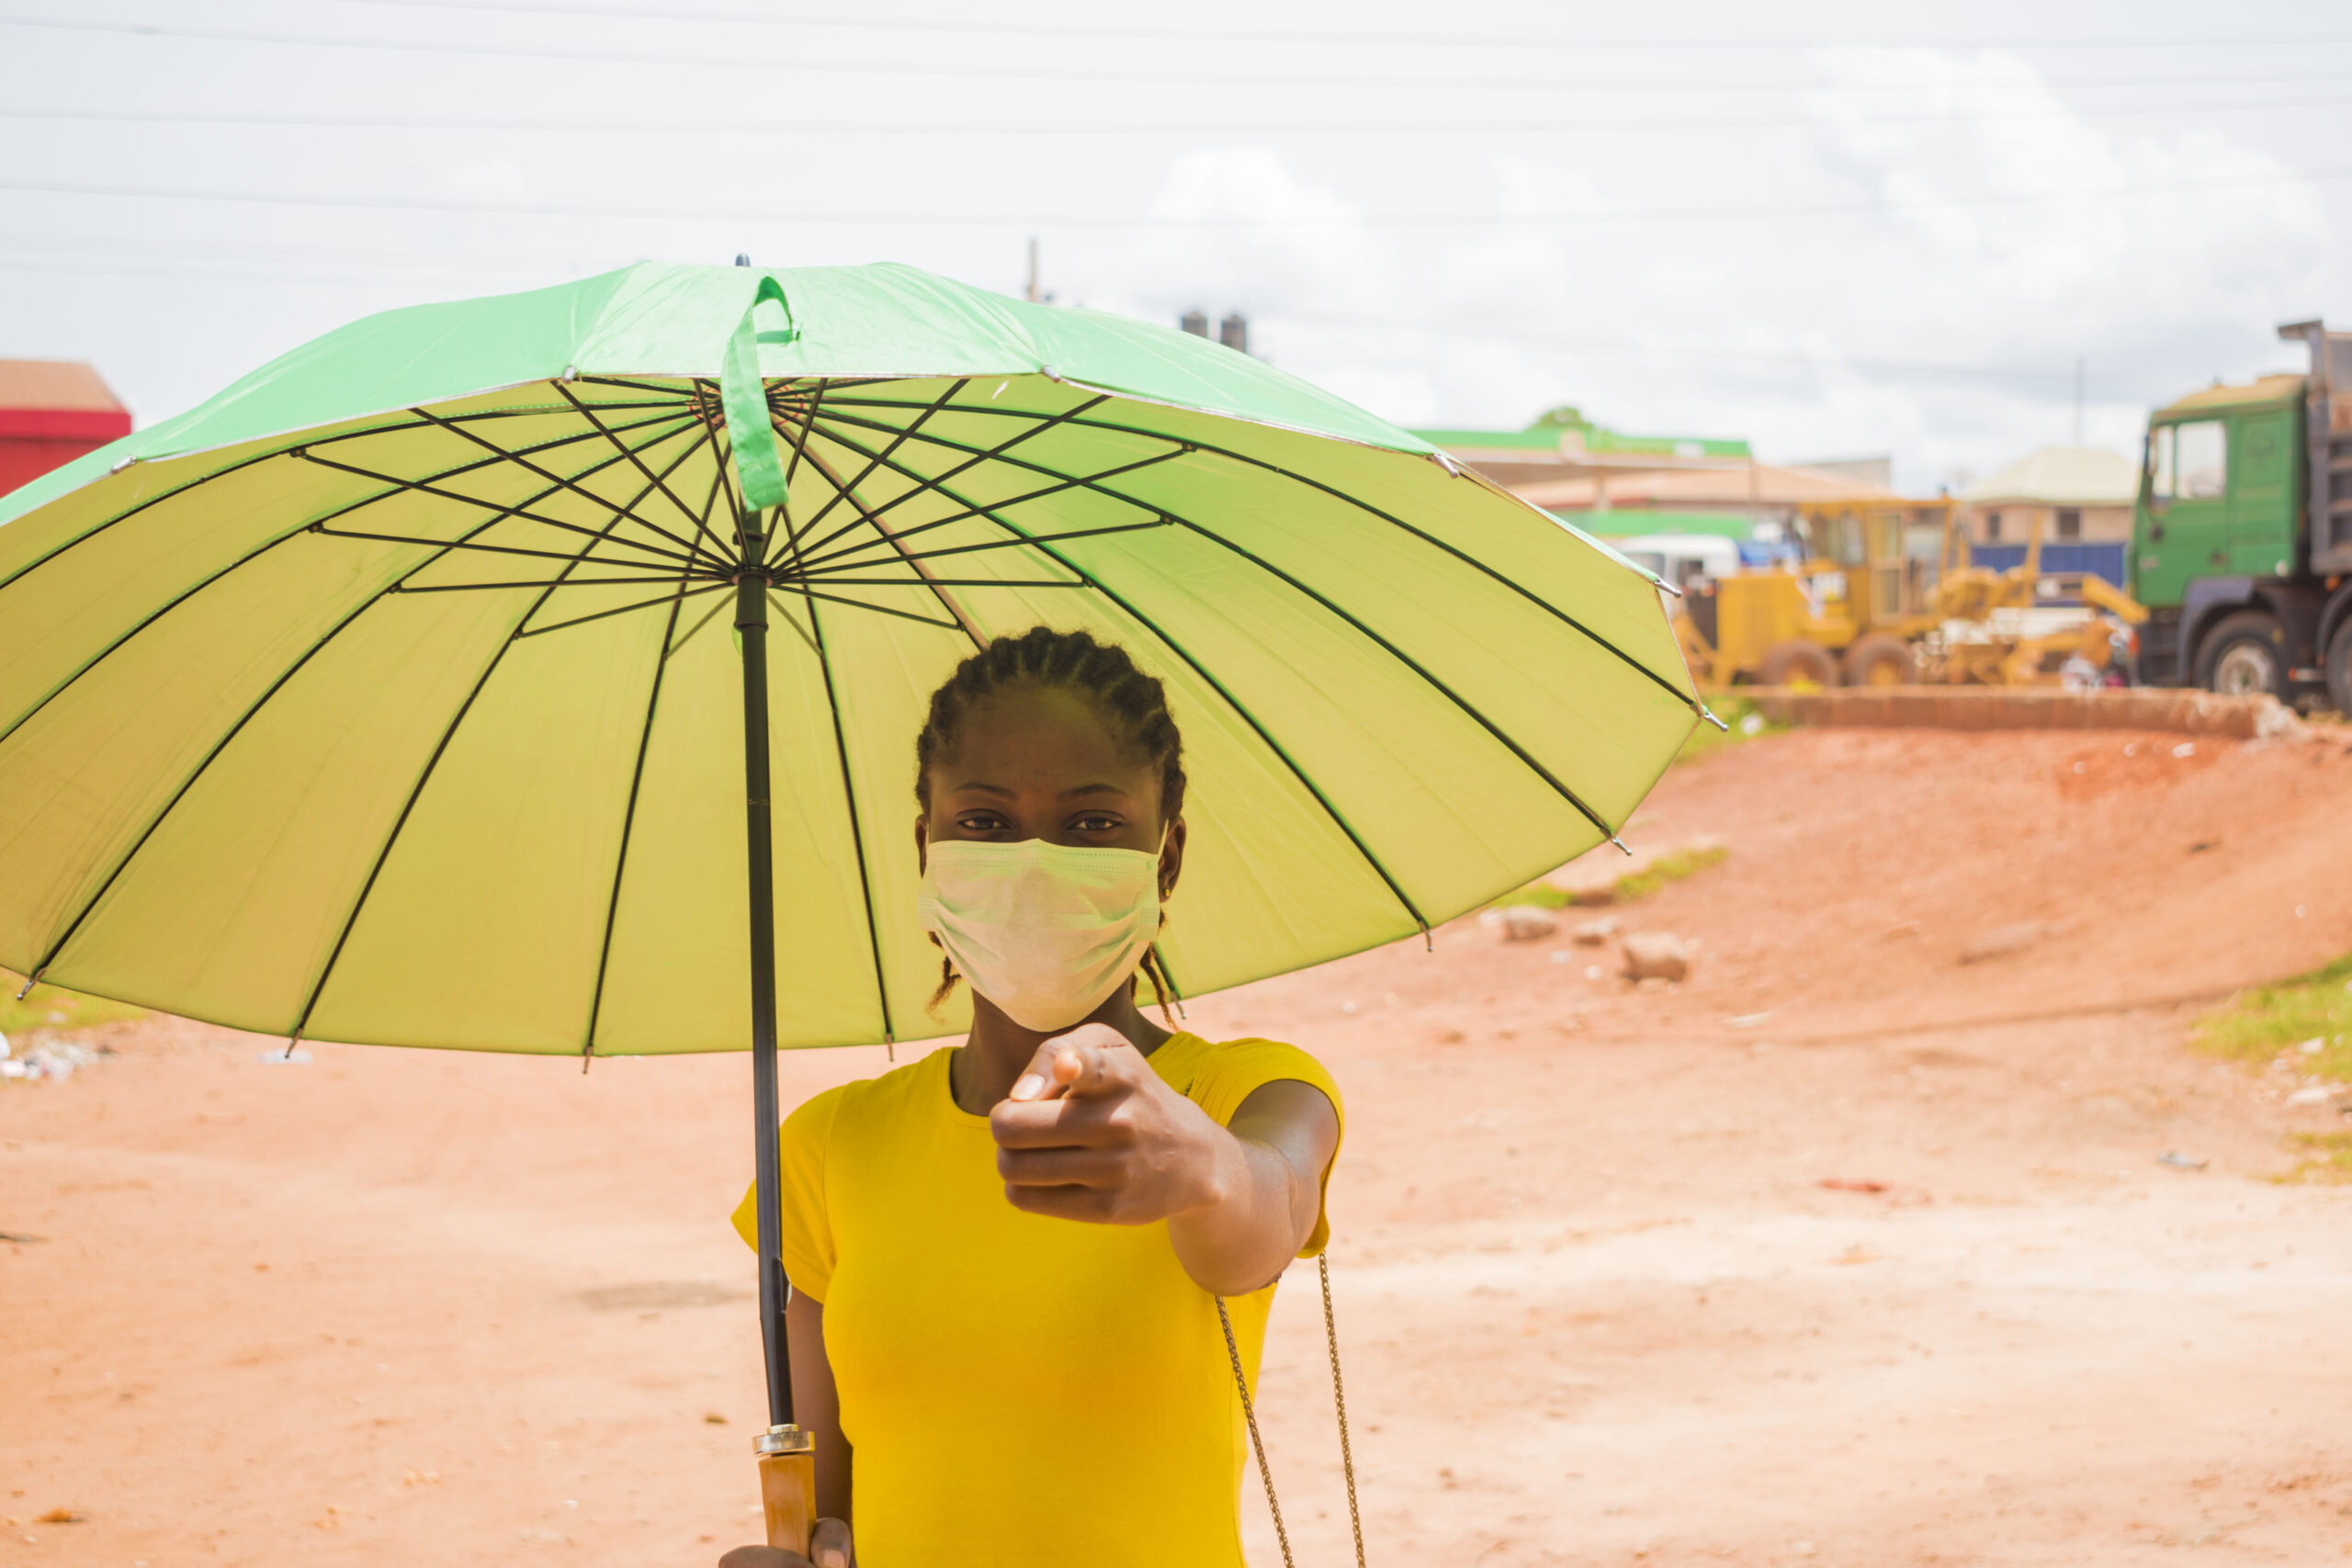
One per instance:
(1267, 1176)
(817, 1404)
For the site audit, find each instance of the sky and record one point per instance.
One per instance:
(1852, 231)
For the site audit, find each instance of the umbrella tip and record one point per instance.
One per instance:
(742, 258)
(1709, 714)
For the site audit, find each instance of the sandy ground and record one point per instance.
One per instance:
(1597, 1304)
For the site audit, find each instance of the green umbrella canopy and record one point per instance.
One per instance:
(389, 696)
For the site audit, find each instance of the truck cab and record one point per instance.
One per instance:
(2242, 537)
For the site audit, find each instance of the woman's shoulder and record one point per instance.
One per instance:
(1218, 1075)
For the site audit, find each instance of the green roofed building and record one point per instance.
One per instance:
(1616, 485)
(1563, 432)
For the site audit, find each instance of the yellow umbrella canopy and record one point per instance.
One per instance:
(393, 695)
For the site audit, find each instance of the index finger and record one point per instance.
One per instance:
(1067, 1065)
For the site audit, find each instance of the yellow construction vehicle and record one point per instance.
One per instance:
(1869, 606)
(1847, 614)
(1984, 636)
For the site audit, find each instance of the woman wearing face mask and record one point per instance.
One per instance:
(1006, 1256)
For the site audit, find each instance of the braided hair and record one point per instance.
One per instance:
(1134, 703)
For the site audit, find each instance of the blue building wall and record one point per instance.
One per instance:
(2104, 560)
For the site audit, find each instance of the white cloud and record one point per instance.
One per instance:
(1993, 249)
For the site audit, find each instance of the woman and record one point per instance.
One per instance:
(1007, 1258)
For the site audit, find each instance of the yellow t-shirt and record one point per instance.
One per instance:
(1018, 1390)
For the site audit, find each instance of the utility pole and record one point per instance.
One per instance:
(1033, 269)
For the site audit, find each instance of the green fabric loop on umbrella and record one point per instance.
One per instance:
(759, 460)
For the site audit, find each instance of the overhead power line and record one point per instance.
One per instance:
(1353, 37)
(1642, 349)
(767, 211)
(377, 269)
(1117, 75)
(804, 128)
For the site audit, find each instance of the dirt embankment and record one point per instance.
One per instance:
(1598, 1305)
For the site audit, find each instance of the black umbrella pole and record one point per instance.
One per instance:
(786, 1461)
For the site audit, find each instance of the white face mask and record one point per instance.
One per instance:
(1045, 931)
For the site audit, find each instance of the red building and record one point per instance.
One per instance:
(53, 411)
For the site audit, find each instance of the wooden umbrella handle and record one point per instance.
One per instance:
(789, 1487)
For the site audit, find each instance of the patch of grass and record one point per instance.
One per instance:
(1663, 870)
(46, 1006)
(2329, 1159)
(1542, 895)
(1625, 890)
(1746, 716)
(2261, 1023)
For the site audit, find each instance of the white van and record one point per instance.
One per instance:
(1676, 558)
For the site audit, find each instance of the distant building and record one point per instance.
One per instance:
(2074, 494)
(1567, 463)
(53, 411)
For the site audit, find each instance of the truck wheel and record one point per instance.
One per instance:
(1880, 661)
(2339, 669)
(2244, 656)
(1787, 663)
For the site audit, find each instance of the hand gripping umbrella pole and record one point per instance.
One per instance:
(788, 1459)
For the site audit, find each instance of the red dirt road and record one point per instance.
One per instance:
(1597, 1304)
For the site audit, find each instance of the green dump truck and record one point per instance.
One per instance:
(2242, 540)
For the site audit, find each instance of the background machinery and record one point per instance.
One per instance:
(1887, 595)
(2241, 539)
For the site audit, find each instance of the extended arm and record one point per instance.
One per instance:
(1090, 1133)
(1281, 1140)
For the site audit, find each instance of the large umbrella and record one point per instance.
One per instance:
(412, 690)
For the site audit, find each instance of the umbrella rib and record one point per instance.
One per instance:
(564, 581)
(1306, 781)
(463, 545)
(1008, 502)
(241, 465)
(841, 492)
(1427, 677)
(1559, 613)
(849, 805)
(245, 559)
(416, 791)
(521, 462)
(439, 494)
(684, 592)
(807, 422)
(629, 825)
(221, 745)
(480, 416)
(332, 438)
(793, 582)
(978, 454)
(725, 460)
(698, 626)
(686, 395)
(849, 491)
(886, 610)
(685, 511)
(910, 557)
